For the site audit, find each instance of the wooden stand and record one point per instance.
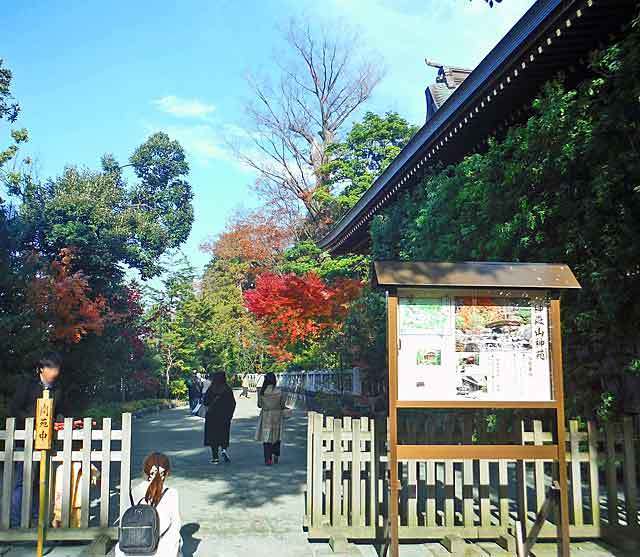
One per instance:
(555, 452)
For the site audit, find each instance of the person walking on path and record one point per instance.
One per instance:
(271, 401)
(206, 383)
(221, 405)
(153, 491)
(245, 386)
(195, 390)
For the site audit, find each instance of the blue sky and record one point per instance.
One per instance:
(95, 77)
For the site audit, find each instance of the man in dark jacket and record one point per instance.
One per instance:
(23, 405)
(195, 390)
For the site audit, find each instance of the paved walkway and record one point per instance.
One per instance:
(238, 509)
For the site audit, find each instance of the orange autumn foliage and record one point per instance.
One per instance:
(60, 298)
(254, 238)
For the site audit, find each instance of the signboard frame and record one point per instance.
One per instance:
(555, 452)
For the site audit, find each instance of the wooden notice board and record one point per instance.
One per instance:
(472, 336)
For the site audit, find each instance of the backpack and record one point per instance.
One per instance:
(139, 532)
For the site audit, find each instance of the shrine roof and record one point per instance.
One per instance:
(475, 274)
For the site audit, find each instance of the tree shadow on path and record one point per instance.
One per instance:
(189, 542)
(246, 483)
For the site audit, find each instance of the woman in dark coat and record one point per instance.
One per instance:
(221, 405)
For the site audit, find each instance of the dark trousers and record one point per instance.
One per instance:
(271, 450)
(216, 448)
(16, 496)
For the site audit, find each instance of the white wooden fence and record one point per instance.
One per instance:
(347, 489)
(108, 449)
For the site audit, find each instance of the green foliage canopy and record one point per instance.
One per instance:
(561, 188)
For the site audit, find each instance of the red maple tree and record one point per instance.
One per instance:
(61, 299)
(294, 309)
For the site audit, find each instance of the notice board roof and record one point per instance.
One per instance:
(474, 274)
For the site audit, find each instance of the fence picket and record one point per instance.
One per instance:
(7, 478)
(308, 495)
(85, 478)
(318, 470)
(338, 502)
(503, 492)
(449, 494)
(431, 493)
(105, 471)
(485, 492)
(27, 474)
(594, 482)
(345, 473)
(576, 473)
(630, 478)
(539, 466)
(125, 463)
(612, 476)
(356, 475)
(65, 469)
(467, 493)
(412, 493)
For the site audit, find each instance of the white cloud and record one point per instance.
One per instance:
(208, 143)
(202, 141)
(184, 108)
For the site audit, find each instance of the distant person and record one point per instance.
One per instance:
(153, 491)
(205, 382)
(23, 405)
(245, 386)
(271, 400)
(194, 384)
(221, 405)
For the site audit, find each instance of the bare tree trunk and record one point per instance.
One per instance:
(296, 120)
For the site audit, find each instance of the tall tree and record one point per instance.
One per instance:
(165, 321)
(364, 154)
(108, 222)
(322, 82)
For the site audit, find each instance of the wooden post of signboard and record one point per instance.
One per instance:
(562, 520)
(43, 443)
(394, 483)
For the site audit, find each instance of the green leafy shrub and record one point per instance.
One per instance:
(115, 410)
(178, 389)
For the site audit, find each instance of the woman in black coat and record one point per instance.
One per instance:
(221, 405)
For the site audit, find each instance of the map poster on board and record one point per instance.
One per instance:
(419, 316)
(488, 349)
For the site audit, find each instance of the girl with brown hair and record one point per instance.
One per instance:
(153, 491)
